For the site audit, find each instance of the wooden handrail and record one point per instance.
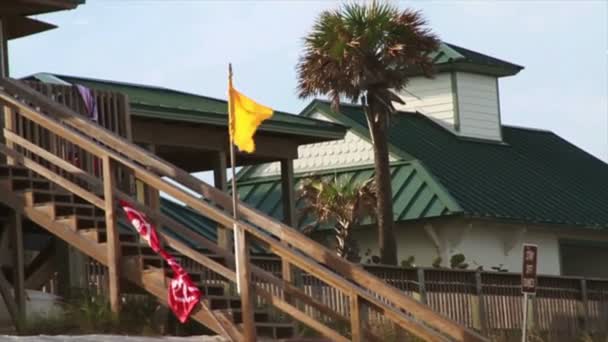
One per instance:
(312, 249)
(177, 227)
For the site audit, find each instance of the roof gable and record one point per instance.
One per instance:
(450, 57)
(416, 194)
(534, 176)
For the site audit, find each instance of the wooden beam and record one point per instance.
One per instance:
(356, 324)
(11, 305)
(220, 181)
(3, 48)
(7, 296)
(247, 295)
(42, 273)
(16, 233)
(162, 133)
(288, 192)
(113, 241)
(153, 195)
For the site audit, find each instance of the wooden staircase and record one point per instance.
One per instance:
(51, 207)
(78, 205)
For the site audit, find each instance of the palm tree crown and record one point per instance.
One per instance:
(361, 49)
(368, 52)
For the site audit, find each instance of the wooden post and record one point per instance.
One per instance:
(18, 263)
(355, 318)
(421, 286)
(220, 181)
(7, 296)
(3, 49)
(112, 234)
(11, 306)
(479, 314)
(288, 197)
(585, 304)
(247, 304)
(153, 194)
(288, 192)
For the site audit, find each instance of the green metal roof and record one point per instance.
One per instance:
(534, 176)
(451, 57)
(415, 192)
(168, 104)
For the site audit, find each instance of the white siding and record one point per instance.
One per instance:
(483, 245)
(350, 151)
(432, 97)
(478, 106)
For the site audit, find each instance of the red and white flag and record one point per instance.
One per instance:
(183, 295)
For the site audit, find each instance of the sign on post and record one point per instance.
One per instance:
(528, 282)
(528, 271)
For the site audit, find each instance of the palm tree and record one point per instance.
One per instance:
(366, 53)
(342, 203)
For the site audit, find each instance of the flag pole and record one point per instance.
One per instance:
(235, 214)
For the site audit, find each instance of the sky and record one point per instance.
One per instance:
(186, 45)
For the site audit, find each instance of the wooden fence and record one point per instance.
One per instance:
(490, 302)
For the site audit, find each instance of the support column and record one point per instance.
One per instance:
(113, 242)
(3, 49)
(289, 216)
(152, 193)
(16, 226)
(4, 111)
(288, 192)
(220, 181)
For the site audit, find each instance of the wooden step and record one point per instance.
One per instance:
(77, 222)
(24, 183)
(236, 315)
(35, 196)
(99, 235)
(274, 329)
(14, 170)
(59, 209)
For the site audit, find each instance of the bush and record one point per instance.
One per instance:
(87, 313)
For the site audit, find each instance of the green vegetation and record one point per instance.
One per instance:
(366, 53)
(87, 313)
(340, 203)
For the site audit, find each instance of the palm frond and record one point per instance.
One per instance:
(365, 49)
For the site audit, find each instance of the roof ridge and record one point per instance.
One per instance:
(455, 47)
(535, 129)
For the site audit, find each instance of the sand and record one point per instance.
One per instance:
(109, 338)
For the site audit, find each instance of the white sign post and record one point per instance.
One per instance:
(528, 282)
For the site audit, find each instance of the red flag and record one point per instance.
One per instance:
(183, 295)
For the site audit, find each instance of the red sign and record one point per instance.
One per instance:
(183, 295)
(528, 271)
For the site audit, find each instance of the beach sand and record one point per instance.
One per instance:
(108, 338)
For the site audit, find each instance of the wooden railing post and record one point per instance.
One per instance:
(585, 304)
(421, 286)
(9, 124)
(356, 323)
(112, 234)
(287, 275)
(247, 304)
(478, 308)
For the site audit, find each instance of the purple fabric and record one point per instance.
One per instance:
(89, 101)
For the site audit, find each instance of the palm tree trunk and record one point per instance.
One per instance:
(386, 237)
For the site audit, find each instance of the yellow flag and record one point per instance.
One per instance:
(245, 117)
